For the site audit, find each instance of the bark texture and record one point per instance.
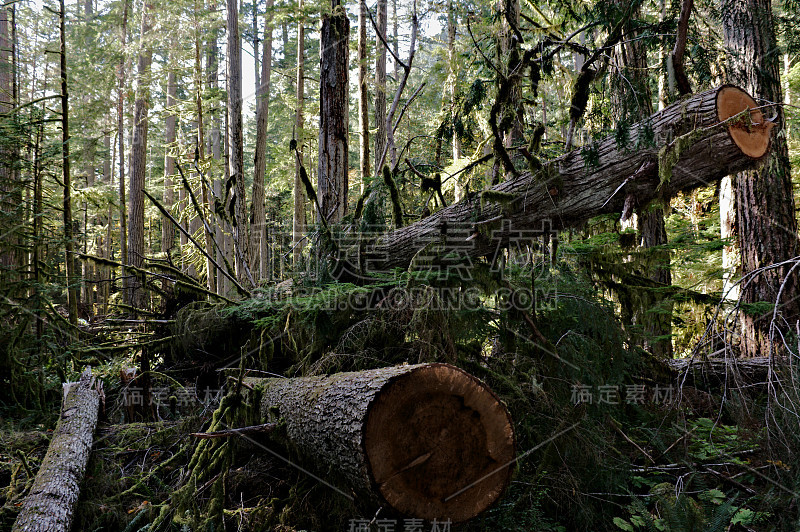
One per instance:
(167, 231)
(595, 180)
(258, 235)
(236, 142)
(363, 95)
(765, 208)
(333, 115)
(299, 211)
(136, 294)
(50, 504)
(428, 440)
(380, 84)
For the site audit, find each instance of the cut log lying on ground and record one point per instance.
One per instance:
(50, 505)
(689, 144)
(428, 440)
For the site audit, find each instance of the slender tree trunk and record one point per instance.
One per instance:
(363, 95)
(8, 254)
(108, 177)
(380, 86)
(200, 143)
(395, 42)
(167, 230)
(236, 139)
(451, 84)
(123, 215)
(258, 238)
(212, 64)
(72, 293)
(136, 229)
(334, 109)
(765, 205)
(299, 211)
(730, 251)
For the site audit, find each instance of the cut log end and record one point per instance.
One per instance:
(439, 444)
(753, 139)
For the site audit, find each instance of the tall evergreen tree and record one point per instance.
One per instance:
(765, 205)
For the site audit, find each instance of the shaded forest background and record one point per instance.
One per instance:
(175, 225)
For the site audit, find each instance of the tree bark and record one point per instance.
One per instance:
(765, 207)
(428, 440)
(299, 211)
(8, 255)
(596, 179)
(69, 255)
(363, 95)
(50, 504)
(236, 140)
(167, 231)
(451, 83)
(380, 85)
(332, 172)
(123, 215)
(137, 295)
(206, 216)
(258, 241)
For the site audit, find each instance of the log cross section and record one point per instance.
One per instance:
(409, 437)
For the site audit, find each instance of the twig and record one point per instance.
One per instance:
(266, 427)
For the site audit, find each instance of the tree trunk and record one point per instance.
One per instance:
(427, 440)
(136, 295)
(258, 241)
(452, 78)
(236, 140)
(765, 206)
(167, 231)
(212, 65)
(380, 86)
(299, 211)
(7, 252)
(205, 215)
(332, 175)
(363, 95)
(50, 504)
(123, 215)
(596, 179)
(72, 292)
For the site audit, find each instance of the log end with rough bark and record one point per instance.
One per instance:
(434, 432)
(753, 139)
(428, 440)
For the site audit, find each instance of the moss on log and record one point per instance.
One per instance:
(50, 505)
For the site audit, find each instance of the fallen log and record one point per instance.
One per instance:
(428, 440)
(689, 144)
(50, 505)
(731, 373)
